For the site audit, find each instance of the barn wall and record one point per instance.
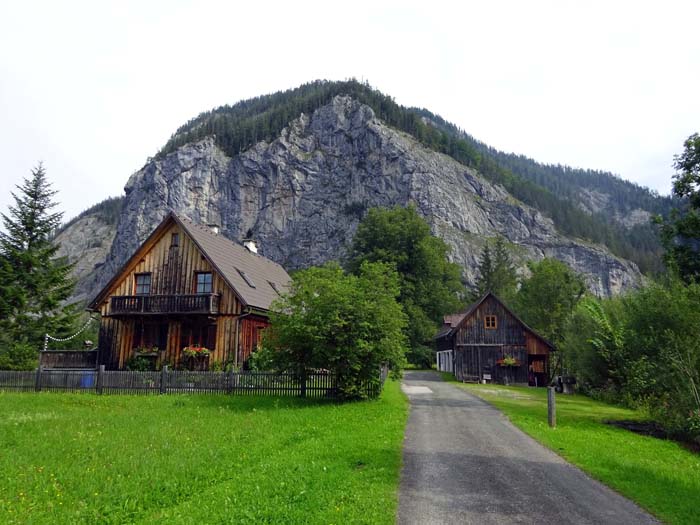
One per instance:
(509, 330)
(477, 349)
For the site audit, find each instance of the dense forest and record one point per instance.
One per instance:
(550, 189)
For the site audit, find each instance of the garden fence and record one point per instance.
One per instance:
(165, 381)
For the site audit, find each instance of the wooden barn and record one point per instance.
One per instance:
(187, 286)
(489, 342)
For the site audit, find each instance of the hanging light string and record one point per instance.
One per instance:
(61, 340)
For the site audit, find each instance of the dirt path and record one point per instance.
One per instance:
(464, 462)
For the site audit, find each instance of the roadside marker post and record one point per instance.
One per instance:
(551, 407)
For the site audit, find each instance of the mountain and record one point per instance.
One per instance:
(298, 169)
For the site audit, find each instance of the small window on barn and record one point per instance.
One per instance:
(490, 322)
(274, 287)
(175, 240)
(143, 283)
(204, 282)
(246, 278)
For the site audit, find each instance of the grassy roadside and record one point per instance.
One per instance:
(659, 475)
(81, 458)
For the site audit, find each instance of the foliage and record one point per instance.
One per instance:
(420, 356)
(660, 475)
(429, 284)
(643, 349)
(547, 298)
(554, 190)
(199, 459)
(349, 324)
(34, 282)
(216, 366)
(496, 272)
(138, 364)
(146, 349)
(681, 232)
(107, 210)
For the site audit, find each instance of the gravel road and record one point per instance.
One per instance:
(464, 462)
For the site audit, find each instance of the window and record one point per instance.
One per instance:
(204, 282)
(246, 278)
(175, 240)
(198, 334)
(274, 287)
(490, 322)
(143, 283)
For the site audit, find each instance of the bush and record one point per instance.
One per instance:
(18, 356)
(350, 325)
(642, 350)
(139, 364)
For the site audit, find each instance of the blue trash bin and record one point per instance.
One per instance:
(88, 380)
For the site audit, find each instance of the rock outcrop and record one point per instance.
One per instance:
(303, 194)
(86, 244)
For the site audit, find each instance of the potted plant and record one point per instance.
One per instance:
(196, 357)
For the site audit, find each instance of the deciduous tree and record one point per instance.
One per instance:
(349, 324)
(430, 285)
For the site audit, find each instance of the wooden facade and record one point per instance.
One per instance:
(489, 342)
(170, 295)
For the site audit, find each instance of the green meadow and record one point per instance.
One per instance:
(83, 458)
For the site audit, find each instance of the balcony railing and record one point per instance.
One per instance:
(164, 304)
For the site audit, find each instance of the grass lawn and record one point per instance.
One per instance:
(659, 475)
(83, 458)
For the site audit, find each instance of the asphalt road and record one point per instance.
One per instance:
(464, 462)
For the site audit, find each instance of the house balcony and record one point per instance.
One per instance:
(164, 304)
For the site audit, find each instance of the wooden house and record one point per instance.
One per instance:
(186, 286)
(489, 342)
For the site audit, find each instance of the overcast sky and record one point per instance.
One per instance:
(94, 88)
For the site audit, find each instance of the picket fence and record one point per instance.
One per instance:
(165, 381)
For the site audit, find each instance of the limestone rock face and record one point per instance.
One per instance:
(86, 244)
(303, 194)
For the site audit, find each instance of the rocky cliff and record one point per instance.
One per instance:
(302, 195)
(86, 243)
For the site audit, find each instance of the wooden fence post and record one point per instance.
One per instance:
(303, 383)
(100, 378)
(231, 378)
(37, 383)
(164, 379)
(551, 407)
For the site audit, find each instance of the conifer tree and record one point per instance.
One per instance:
(496, 271)
(34, 282)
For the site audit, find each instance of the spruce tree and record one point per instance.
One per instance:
(34, 282)
(497, 272)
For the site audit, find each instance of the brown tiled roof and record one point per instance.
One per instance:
(230, 259)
